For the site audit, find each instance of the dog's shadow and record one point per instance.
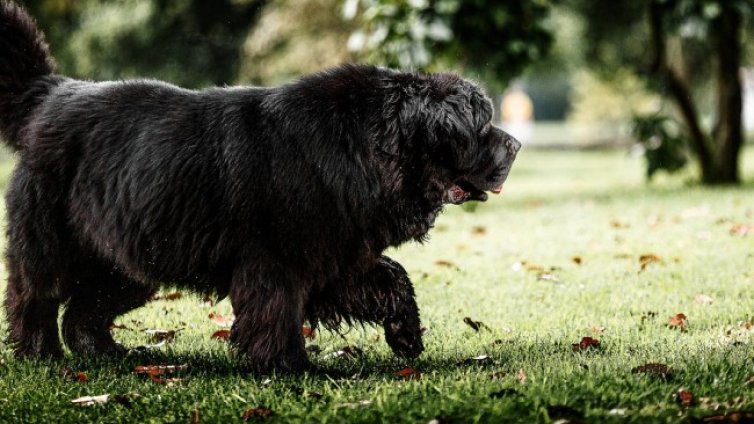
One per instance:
(229, 364)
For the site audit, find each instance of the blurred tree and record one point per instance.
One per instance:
(693, 45)
(190, 42)
(494, 39)
(295, 37)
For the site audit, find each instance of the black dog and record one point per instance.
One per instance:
(284, 198)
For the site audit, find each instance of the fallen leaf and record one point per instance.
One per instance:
(733, 417)
(577, 260)
(223, 334)
(648, 258)
(409, 374)
(444, 263)
(169, 296)
(90, 400)
(257, 413)
(156, 372)
(684, 398)
(679, 321)
(618, 224)
(741, 229)
(521, 376)
(586, 343)
(118, 327)
(703, 299)
(597, 330)
(195, 416)
(220, 320)
(475, 325)
(479, 230)
(308, 332)
(479, 360)
(68, 373)
(655, 370)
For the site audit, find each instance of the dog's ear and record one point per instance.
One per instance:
(452, 112)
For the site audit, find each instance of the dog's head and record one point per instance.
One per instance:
(473, 156)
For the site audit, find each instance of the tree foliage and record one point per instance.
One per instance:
(495, 40)
(190, 42)
(690, 52)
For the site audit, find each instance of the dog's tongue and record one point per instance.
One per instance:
(456, 194)
(497, 189)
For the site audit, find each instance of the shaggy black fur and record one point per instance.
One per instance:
(283, 198)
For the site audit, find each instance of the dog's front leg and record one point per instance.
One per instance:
(268, 303)
(383, 296)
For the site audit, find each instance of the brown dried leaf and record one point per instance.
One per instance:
(220, 320)
(223, 335)
(685, 398)
(308, 332)
(679, 321)
(159, 369)
(733, 417)
(118, 327)
(260, 412)
(169, 296)
(445, 263)
(586, 343)
(479, 230)
(409, 374)
(195, 416)
(648, 258)
(577, 260)
(741, 229)
(521, 376)
(475, 325)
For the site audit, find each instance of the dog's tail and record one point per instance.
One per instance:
(24, 60)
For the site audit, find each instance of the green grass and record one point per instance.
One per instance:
(557, 206)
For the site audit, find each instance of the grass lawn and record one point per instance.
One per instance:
(554, 259)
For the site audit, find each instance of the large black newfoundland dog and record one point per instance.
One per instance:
(282, 198)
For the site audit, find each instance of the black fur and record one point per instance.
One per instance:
(284, 198)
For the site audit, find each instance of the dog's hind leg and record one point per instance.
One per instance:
(32, 316)
(37, 267)
(98, 294)
(383, 296)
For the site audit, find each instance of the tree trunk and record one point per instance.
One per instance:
(728, 133)
(717, 155)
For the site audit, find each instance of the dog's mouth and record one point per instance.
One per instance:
(464, 191)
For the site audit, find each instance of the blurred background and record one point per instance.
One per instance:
(671, 81)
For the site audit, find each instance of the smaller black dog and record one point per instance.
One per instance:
(283, 198)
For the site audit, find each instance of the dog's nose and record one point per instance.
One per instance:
(512, 144)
